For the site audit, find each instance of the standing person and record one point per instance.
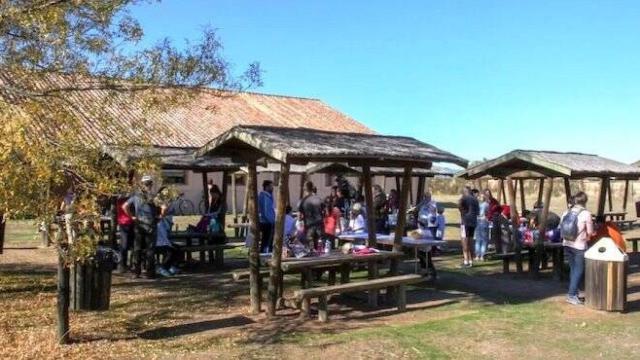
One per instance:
(493, 217)
(267, 216)
(576, 228)
(469, 210)
(144, 217)
(332, 216)
(311, 210)
(482, 230)
(127, 234)
(380, 209)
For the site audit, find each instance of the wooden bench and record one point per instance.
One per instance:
(634, 242)
(508, 257)
(214, 249)
(398, 282)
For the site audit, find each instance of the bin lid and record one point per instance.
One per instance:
(606, 250)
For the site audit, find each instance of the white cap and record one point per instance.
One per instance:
(146, 178)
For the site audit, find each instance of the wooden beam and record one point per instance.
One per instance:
(624, 202)
(398, 185)
(278, 239)
(504, 193)
(603, 196)
(402, 210)
(523, 201)
(368, 199)
(205, 191)
(501, 191)
(254, 251)
(421, 187)
(567, 189)
(515, 219)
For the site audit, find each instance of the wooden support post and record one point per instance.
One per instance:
(402, 297)
(567, 190)
(398, 185)
(501, 191)
(323, 311)
(604, 184)
(402, 210)
(303, 179)
(254, 252)
(515, 219)
(63, 297)
(540, 191)
(624, 201)
(411, 191)
(205, 191)
(523, 201)
(421, 188)
(234, 196)
(245, 207)
(306, 308)
(225, 192)
(276, 259)
(609, 195)
(345, 273)
(542, 227)
(373, 274)
(368, 199)
(504, 193)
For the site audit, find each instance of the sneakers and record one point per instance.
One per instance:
(163, 272)
(174, 270)
(574, 300)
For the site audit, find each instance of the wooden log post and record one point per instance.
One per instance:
(245, 207)
(402, 210)
(567, 190)
(504, 193)
(609, 196)
(234, 196)
(540, 190)
(421, 188)
(398, 185)
(63, 297)
(225, 192)
(368, 199)
(624, 201)
(501, 191)
(303, 179)
(542, 227)
(602, 199)
(254, 252)
(278, 240)
(523, 201)
(205, 191)
(515, 219)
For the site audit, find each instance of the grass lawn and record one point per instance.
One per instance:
(476, 313)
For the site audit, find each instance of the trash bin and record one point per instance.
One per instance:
(91, 281)
(606, 276)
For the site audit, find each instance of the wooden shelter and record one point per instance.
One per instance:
(544, 166)
(300, 146)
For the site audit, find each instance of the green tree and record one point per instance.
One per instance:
(51, 51)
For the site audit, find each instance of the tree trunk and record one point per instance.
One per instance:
(3, 222)
(63, 297)
(278, 240)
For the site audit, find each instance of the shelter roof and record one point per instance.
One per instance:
(303, 145)
(536, 164)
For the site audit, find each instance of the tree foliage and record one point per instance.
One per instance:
(53, 50)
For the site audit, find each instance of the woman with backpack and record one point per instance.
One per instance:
(576, 229)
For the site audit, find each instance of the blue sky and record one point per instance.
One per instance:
(477, 78)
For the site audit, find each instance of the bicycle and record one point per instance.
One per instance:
(184, 206)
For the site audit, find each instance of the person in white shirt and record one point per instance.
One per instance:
(575, 245)
(357, 223)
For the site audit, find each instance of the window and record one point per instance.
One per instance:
(174, 177)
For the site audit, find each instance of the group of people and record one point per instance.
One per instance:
(484, 219)
(145, 221)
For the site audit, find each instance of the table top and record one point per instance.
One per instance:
(336, 258)
(385, 239)
(238, 225)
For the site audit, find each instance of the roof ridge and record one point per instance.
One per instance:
(212, 89)
(555, 152)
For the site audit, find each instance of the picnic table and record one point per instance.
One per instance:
(407, 242)
(205, 244)
(557, 255)
(337, 261)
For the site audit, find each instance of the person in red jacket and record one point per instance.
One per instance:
(125, 225)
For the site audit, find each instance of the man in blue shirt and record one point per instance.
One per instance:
(267, 216)
(145, 217)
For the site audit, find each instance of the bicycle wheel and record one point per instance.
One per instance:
(186, 207)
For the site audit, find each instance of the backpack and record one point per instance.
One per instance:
(569, 225)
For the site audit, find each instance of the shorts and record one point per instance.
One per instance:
(469, 231)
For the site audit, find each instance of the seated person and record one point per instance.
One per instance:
(164, 246)
(610, 230)
(357, 222)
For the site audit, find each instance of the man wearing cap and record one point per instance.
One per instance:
(144, 217)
